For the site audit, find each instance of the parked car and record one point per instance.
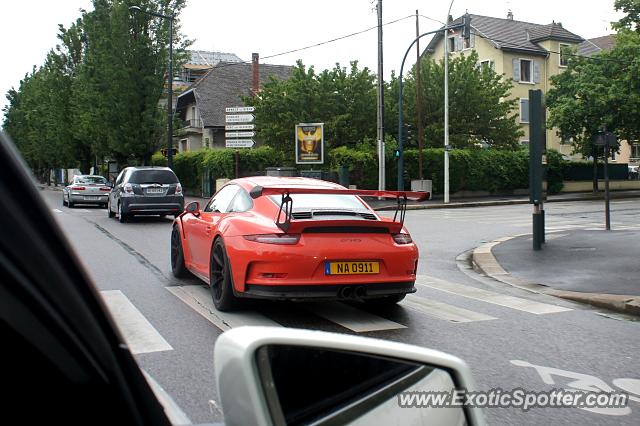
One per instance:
(86, 189)
(60, 342)
(295, 238)
(633, 172)
(145, 191)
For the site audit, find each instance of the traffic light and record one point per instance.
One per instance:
(466, 29)
(396, 153)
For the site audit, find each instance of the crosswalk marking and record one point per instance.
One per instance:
(352, 318)
(512, 302)
(138, 333)
(442, 310)
(199, 299)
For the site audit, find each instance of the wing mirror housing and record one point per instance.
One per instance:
(193, 208)
(280, 376)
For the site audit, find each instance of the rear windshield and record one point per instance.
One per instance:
(322, 202)
(90, 179)
(153, 176)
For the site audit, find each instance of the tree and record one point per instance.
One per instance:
(632, 18)
(480, 110)
(345, 101)
(97, 93)
(597, 92)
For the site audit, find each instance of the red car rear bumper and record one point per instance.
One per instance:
(298, 271)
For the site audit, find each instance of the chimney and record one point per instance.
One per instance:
(255, 71)
(510, 15)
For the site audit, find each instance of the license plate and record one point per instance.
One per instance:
(91, 198)
(351, 268)
(155, 190)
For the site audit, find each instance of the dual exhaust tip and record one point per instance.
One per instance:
(356, 292)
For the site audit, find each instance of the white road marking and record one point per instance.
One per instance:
(442, 310)
(198, 298)
(512, 302)
(82, 210)
(352, 318)
(138, 333)
(57, 210)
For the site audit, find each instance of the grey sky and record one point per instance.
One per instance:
(28, 27)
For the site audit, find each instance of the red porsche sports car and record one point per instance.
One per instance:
(295, 239)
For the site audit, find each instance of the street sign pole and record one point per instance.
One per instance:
(536, 145)
(607, 215)
(607, 140)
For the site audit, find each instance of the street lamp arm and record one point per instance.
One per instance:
(158, 15)
(400, 112)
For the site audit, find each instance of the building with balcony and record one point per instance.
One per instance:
(202, 106)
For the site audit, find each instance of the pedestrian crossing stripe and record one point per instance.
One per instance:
(507, 301)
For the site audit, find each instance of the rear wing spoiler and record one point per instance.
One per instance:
(286, 206)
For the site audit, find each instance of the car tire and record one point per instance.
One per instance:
(384, 302)
(178, 269)
(220, 278)
(122, 217)
(110, 213)
(64, 203)
(70, 204)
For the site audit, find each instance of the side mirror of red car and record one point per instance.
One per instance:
(193, 208)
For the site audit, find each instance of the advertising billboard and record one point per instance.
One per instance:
(310, 143)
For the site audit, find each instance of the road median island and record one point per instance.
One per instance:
(598, 268)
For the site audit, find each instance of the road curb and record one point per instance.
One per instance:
(485, 262)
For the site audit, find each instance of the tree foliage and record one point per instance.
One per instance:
(597, 92)
(479, 106)
(344, 100)
(97, 94)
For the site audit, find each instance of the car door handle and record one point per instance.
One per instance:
(207, 230)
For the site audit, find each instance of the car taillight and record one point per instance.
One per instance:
(78, 188)
(287, 239)
(402, 238)
(105, 188)
(178, 189)
(128, 188)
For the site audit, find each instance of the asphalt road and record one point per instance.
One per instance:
(507, 336)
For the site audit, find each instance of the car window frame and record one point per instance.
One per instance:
(242, 192)
(208, 208)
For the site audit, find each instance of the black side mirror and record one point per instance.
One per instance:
(193, 208)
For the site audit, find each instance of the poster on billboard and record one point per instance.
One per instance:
(310, 143)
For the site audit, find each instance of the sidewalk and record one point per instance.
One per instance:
(438, 203)
(480, 201)
(600, 268)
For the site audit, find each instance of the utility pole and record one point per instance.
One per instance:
(381, 157)
(446, 105)
(419, 100)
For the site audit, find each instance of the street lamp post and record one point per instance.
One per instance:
(170, 77)
(400, 112)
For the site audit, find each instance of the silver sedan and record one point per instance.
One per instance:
(86, 189)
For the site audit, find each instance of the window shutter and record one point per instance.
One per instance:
(458, 41)
(536, 72)
(516, 70)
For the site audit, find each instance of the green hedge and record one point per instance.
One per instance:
(489, 170)
(469, 170)
(190, 166)
(583, 170)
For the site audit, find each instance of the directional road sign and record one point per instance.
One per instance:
(234, 135)
(239, 118)
(239, 143)
(240, 109)
(240, 127)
